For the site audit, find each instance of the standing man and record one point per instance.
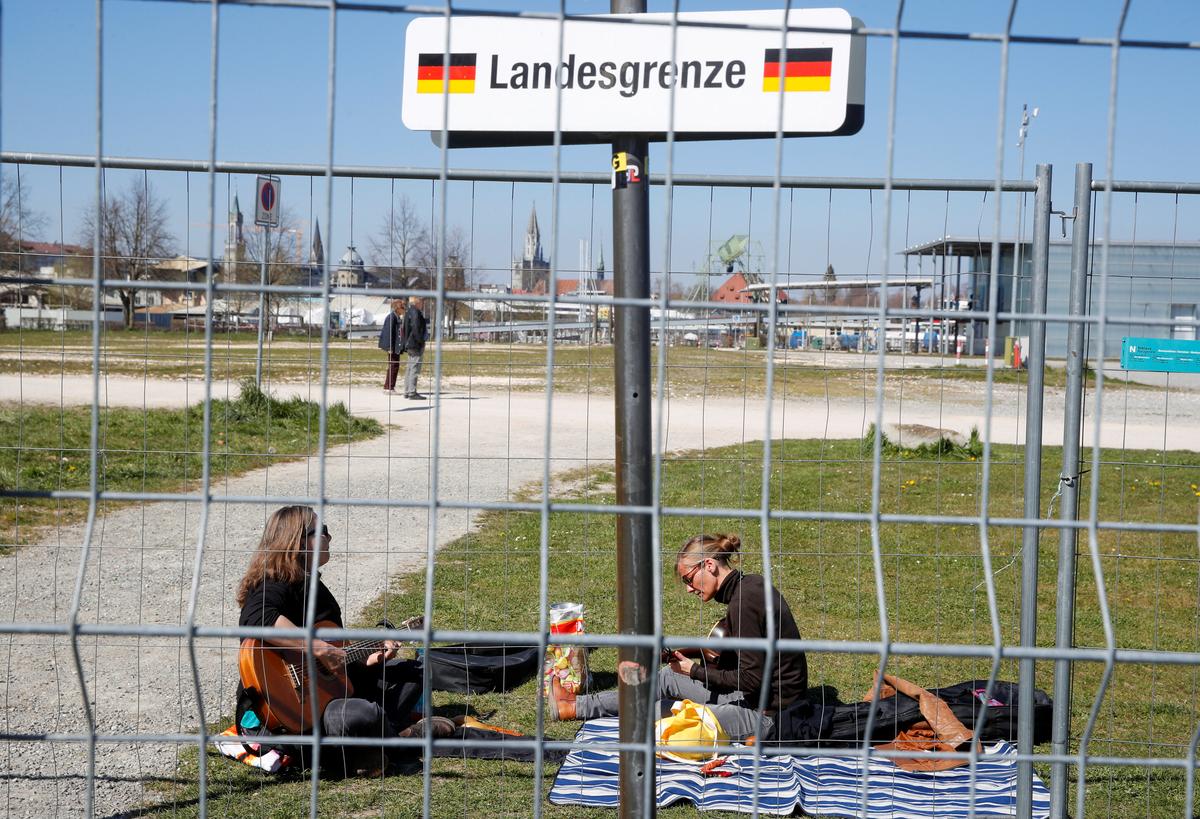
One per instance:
(391, 341)
(416, 327)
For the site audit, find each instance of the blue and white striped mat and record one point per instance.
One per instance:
(822, 786)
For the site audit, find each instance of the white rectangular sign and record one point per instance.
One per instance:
(266, 206)
(502, 76)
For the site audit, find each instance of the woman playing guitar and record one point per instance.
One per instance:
(730, 682)
(274, 671)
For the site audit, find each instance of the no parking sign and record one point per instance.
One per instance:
(266, 207)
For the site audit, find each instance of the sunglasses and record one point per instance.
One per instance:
(311, 532)
(691, 574)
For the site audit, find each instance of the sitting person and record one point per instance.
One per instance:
(274, 593)
(731, 685)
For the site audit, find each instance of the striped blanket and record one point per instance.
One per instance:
(821, 786)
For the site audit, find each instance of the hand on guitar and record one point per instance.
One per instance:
(331, 658)
(389, 651)
(681, 664)
(680, 659)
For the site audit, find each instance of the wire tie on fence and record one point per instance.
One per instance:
(1063, 480)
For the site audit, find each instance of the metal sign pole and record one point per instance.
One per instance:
(266, 216)
(635, 543)
(262, 299)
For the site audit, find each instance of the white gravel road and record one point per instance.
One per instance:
(139, 569)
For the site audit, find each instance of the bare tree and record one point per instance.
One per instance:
(400, 243)
(17, 221)
(284, 256)
(133, 237)
(459, 274)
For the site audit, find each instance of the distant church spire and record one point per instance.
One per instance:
(600, 266)
(235, 241)
(235, 221)
(533, 238)
(318, 249)
(531, 272)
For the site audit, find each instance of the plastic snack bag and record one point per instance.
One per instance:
(568, 664)
(691, 724)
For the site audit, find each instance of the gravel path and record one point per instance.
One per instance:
(139, 570)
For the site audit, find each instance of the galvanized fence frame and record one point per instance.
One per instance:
(1031, 522)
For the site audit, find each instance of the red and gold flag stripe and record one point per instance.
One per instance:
(802, 69)
(434, 76)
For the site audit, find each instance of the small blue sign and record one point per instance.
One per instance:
(1163, 355)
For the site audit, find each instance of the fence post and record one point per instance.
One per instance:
(634, 479)
(1033, 478)
(1064, 632)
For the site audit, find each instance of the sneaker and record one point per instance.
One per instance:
(440, 727)
(416, 396)
(562, 702)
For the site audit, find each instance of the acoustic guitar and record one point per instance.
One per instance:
(719, 629)
(280, 678)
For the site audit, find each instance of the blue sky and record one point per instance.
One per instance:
(272, 105)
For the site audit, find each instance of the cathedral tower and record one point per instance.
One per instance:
(531, 272)
(235, 242)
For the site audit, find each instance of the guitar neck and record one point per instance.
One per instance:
(360, 651)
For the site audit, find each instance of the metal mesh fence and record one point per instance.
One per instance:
(864, 435)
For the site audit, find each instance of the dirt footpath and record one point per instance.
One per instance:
(488, 444)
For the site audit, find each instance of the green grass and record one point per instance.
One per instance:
(691, 371)
(933, 588)
(153, 450)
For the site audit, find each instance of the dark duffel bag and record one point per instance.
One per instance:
(822, 719)
(479, 669)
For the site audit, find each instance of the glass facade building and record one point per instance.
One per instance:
(1146, 280)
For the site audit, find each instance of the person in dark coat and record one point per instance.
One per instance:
(391, 341)
(416, 328)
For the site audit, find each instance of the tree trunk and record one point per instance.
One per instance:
(127, 307)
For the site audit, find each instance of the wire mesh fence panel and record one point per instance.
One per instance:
(419, 377)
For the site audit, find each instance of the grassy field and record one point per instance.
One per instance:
(691, 371)
(932, 576)
(153, 450)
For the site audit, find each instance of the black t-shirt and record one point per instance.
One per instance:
(271, 598)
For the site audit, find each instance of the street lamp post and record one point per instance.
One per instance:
(1026, 118)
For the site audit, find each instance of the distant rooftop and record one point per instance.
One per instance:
(982, 246)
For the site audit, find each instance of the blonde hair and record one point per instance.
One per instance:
(722, 548)
(282, 552)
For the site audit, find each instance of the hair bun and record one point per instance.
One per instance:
(733, 543)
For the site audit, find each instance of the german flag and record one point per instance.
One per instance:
(802, 69)
(432, 73)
